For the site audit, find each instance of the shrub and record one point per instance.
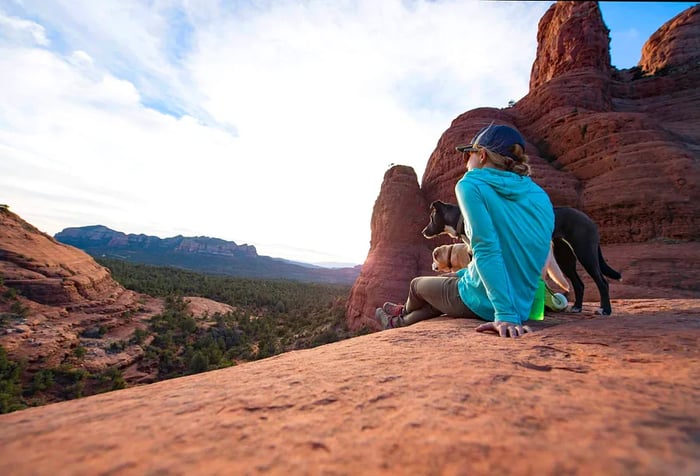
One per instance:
(584, 129)
(10, 294)
(94, 332)
(70, 381)
(42, 380)
(139, 336)
(113, 378)
(199, 363)
(116, 347)
(18, 309)
(10, 384)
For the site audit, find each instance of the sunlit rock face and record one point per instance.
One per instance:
(397, 252)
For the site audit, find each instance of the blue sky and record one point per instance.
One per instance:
(263, 122)
(632, 23)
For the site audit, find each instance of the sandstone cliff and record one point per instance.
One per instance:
(396, 221)
(46, 271)
(64, 293)
(621, 145)
(59, 298)
(631, 138)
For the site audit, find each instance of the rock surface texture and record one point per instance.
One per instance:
(579, 396)
(46, 271)
(623, 146)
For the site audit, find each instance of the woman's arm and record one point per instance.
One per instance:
(488, 257)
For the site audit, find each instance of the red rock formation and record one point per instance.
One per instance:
(66, 294)
(446, 166)
(46, 271)
(622, 146)
(571, 37)
(675, 45)
(394, 255)
(631, 140)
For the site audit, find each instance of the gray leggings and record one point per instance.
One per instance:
(432, 296)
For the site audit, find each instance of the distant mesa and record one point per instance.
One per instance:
(200, 253)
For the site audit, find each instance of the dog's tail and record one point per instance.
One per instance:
(607, 270)
(554, 271)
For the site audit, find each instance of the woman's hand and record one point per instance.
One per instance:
(504, 329)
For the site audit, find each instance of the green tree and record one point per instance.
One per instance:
(114, 379)
(199, 363)
(10, 384)
(42, 380)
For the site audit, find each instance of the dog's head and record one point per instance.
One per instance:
(441, 262)
(451, 258)
(444, 218)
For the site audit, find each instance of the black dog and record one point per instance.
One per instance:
(575, 237)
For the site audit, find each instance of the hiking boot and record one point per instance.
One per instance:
(392, 309)
(386, 321)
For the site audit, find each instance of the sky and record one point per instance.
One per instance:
(269, 123)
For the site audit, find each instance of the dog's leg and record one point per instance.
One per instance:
(586, 250)
(592, 267)
(567, 261)
(581, 233)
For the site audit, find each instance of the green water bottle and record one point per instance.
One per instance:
(537, 311)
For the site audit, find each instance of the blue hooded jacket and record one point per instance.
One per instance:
(509, 220)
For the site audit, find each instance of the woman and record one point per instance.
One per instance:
(509, 220)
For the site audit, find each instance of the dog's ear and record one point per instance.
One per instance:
(437, 204)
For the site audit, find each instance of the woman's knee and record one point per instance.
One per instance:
(414, 283)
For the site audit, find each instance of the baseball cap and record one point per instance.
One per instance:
(496, 138)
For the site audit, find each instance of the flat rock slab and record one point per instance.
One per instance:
(581, 395)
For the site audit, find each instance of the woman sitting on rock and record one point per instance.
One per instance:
(509, 220)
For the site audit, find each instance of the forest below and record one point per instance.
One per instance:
(269, 317)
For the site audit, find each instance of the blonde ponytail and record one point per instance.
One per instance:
(519, 166)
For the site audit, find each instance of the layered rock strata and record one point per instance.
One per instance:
(66, 298)
(46, 271)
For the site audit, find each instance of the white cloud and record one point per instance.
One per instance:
(17, 30)
(81, 59)
(322, 96)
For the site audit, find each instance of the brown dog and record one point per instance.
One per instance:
(450, 258)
